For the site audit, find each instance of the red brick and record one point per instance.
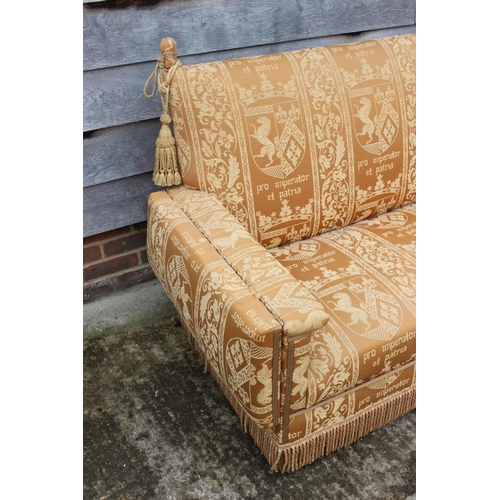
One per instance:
(125, 244)
(105, 236)
(134, 277)
(140, 226)
(91, 254)
(93, 290)
(111, 266)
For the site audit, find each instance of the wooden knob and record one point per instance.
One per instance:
(168, 47)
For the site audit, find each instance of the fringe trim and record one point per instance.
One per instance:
(293, 456)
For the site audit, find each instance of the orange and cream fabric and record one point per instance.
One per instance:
(299, 143)
(289, 249)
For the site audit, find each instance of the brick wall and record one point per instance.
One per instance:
(115, 260)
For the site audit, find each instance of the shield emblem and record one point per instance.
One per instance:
(388, 221)
(299, 250)
(277, 143)
(249, 374)
(376, 121)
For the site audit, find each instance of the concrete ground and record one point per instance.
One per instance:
(157, 427)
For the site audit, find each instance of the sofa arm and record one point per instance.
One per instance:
(295, 308)
(237, 303)
(236, 335)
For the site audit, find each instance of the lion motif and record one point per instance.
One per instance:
(358, 314)
(261, 133)
(364, 115)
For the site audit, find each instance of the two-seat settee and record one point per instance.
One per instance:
(287, 244)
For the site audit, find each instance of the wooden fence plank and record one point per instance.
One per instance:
(113, 37)
(116, 204)
(113, 96)
(119, 152)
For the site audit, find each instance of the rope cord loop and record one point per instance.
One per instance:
(160, 65)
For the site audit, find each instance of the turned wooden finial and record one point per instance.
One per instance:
(168, 47)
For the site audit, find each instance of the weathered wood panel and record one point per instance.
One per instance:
(116, 204)
(114, 96)
(119, 152)
(113, 37)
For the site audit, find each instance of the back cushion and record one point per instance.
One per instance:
(298, 143)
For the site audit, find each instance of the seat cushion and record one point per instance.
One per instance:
(365, 277)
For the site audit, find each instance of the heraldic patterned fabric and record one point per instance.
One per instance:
(289, 250)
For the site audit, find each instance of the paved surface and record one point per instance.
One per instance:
(157, 427)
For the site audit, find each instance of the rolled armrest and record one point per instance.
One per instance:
(296, 309)
(191, 270)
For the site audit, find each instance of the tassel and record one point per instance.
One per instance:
(165, 171)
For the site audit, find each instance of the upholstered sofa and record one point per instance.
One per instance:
(285, 235)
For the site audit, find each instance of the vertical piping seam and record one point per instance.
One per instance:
(288, 389)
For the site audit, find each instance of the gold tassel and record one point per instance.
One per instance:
(165, 172)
